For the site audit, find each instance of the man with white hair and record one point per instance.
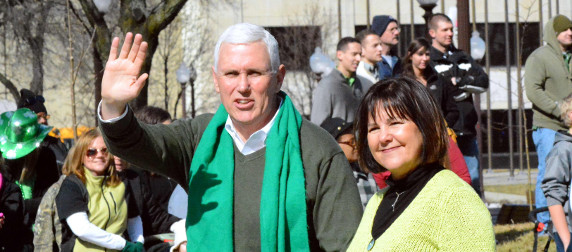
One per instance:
(261, 177)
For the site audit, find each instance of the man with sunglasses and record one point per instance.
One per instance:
(342, 132)
(261, 177)
(29, 99)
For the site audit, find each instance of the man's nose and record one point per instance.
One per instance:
(243, 84)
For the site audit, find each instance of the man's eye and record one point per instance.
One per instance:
(231, 74)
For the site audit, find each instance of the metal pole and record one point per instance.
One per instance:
(241, 11)
(488, 69)
(519, 90)
(540, 23)
(399, 22)
(549, 9)
(412, 21)
(193, 111)
(478, 110)
(473, 12)
(184, 100)
(443, 6)
(339, 19)
(463, 25)
(367, 13)
(428, 13)
(509, 88)
(557, 7)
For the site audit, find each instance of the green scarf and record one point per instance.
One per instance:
(27, 190)
(283, 224)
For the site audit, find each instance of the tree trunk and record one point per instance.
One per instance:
(11, 87)
(37, 47)
(98, 70)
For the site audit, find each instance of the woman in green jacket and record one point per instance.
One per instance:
(426, 207)
(92, 202)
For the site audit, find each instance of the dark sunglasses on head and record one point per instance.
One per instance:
(92, 152)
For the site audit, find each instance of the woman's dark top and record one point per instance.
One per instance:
(399, 195)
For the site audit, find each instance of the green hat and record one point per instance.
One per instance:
(20, 133)
(561, 23)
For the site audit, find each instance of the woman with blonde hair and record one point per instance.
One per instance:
(93, 202)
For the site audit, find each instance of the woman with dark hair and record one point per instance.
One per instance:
(425, 207)
(416, 66)
(29, 165)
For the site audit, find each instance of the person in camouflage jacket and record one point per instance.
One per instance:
(48, 228)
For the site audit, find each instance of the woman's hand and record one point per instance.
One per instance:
(121, 82)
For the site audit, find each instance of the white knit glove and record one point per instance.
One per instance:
(180, 234)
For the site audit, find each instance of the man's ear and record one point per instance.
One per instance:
(339, 55)
(216, 87)
(569, 114)
(432, 33)
(280, 76)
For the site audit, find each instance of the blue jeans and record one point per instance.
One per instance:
(559, 244)
(470, 149)
(543, 141)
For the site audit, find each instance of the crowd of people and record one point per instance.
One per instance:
(387, 161)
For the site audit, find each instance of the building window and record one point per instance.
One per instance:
(296, 44)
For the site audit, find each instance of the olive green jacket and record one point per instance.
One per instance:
(547, 81)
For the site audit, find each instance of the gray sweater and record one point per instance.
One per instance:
(556, 182)
(333, 203)
(333, 97)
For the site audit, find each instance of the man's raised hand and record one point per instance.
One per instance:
(121, 82)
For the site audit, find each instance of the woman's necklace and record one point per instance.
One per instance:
(372, 242)
(395, 202)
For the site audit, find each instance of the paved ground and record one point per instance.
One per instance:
(504, 178)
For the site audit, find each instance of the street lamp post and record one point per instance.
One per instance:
(193, 77)
(428, 6)
(183, 76)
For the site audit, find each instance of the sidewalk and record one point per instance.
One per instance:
(504, 178)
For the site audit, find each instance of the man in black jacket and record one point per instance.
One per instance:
(155, 219)
(468, 78)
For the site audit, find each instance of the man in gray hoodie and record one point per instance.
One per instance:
(547, 81)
